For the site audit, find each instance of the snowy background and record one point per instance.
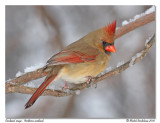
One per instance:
(35, 33)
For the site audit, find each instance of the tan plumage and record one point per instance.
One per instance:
(74, 73)
(80, 60)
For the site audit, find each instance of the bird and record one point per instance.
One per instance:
(80, 61)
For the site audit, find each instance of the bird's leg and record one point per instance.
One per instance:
(90, 78)
(66, 86)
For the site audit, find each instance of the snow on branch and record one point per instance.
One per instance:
(148, 11)
(30, 69)
(16, 84)
(147, 18)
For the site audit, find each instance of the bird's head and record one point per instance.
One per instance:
(103, 38)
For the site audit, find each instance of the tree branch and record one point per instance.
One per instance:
(27, 90)
(16, 84)
(135, 24)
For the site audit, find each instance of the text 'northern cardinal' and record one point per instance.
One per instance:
(81, 60)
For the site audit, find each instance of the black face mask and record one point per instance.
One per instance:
(105, 44)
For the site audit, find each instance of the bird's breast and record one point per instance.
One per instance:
(78, 72)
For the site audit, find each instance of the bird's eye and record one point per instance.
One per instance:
(104, 42)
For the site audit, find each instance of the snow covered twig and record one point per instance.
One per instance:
(135, 24)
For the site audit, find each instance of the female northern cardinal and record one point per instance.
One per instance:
(81, 60)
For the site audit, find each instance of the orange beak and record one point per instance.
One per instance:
(110, 48)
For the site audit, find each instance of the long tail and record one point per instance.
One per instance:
(40, 90)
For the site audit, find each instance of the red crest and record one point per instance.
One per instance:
(109, 32)
(110, 28)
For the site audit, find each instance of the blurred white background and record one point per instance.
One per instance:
(35, 33)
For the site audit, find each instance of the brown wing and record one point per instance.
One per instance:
(73, 55)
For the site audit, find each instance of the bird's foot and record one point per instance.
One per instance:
(90, 79)
(66, 86)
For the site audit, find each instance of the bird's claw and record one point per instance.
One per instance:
(90, 79)
(66, 86)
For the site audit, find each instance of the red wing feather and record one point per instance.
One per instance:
(67, 57)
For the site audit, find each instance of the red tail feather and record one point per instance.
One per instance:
(39, 91)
